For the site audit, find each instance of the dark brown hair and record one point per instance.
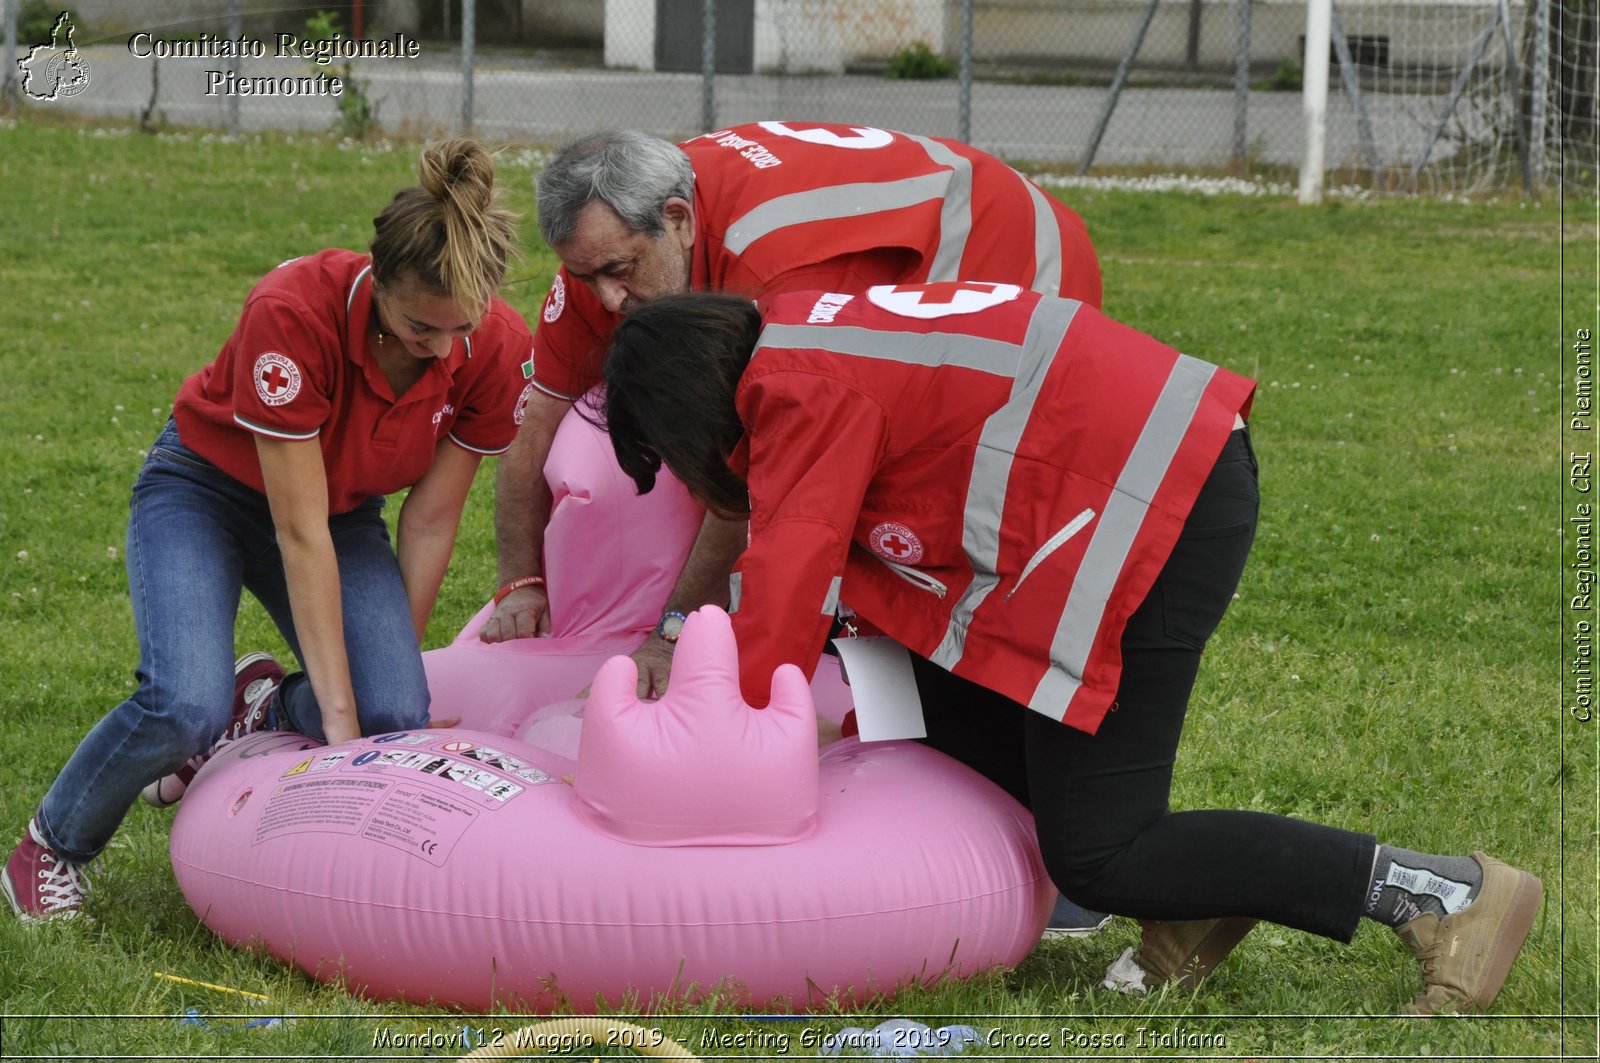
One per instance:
(450, 233)
(671, 371)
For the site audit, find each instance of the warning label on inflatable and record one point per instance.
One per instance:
(418, 820)
(408, 791)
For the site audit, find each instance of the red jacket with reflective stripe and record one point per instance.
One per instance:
(783, 207)
(990, 477)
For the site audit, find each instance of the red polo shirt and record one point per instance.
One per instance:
(297, 367)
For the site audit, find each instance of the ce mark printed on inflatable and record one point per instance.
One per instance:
(328, 792)
(703, 844)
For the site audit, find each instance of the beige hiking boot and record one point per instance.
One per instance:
(1181, 951)
(1466, 956)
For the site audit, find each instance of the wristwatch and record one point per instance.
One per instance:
(670, 626)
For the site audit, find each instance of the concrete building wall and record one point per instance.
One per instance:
(171, 18)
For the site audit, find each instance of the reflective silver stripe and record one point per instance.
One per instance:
(834, 201)
(991, 470)
(1137, 484)
(735, 591)
(952, 186)
(955, 212)
(1054, 543)
(1047, 256)
(350, 300)
(830, 603)
(909, 348)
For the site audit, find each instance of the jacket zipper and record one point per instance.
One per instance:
(916, 577)
(1051, 545)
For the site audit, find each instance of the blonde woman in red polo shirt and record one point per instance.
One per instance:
(348, 377)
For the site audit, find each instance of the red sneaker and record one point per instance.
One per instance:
(256, 677)
(40, 883)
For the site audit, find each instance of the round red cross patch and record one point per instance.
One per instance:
(896, 542)
(556, 301)
(277, 379)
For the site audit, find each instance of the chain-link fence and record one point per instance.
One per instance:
(1428, 95)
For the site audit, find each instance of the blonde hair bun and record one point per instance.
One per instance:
(450, 233)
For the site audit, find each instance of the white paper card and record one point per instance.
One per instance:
(879, 673)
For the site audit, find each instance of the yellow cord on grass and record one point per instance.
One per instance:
(210, 985)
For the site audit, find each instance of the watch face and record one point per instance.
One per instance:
(671, 626)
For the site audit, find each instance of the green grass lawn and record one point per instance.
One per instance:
(1392, 663)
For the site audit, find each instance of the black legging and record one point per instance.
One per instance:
(1099, 801)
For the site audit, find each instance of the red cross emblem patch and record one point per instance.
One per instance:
(277, 379)
(895, 542)
(556, 301)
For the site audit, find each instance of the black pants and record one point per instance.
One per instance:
(1108, 837)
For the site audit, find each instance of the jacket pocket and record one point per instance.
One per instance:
(916, 577)
(1051, 545)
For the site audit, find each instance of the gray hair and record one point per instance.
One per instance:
(632, 173)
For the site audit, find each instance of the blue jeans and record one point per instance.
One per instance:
(196, 537)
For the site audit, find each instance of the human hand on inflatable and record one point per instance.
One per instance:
(522, 614)
(654, 663)
(700, 766)
(338, 731)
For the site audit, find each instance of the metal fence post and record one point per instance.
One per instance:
(1314, 100)
(1352, 88)
(964, 84)
(236, 32)
(9, 89)
(1191, 51)
(1539, 94)
(708, 65)
(1519, 120)
(1117, 81)
(1241, 86)
(469, 40)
